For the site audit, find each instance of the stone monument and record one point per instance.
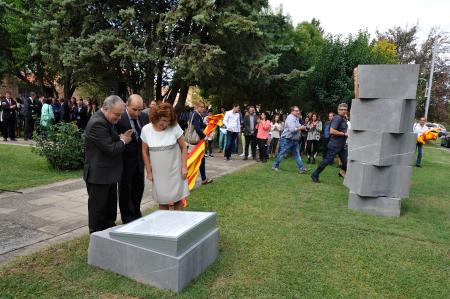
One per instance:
(381, 144)
(166, 249)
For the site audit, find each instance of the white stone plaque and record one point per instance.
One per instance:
(168, 232)
(168, 224)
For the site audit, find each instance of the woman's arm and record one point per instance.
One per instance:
(146, 158)
(183, 148)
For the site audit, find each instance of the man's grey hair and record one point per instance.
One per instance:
(32, 94)
(343, 105)
(110, 101)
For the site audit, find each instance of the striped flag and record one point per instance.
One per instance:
(197, 153)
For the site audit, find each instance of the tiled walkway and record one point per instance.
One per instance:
(56, 212)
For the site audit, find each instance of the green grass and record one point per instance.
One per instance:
(20, 168)
(282, 237)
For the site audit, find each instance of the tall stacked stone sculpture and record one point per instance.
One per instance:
(381, 144)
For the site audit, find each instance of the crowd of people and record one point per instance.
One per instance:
(26, 115)
(125, 140)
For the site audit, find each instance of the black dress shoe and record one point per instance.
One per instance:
(315, 179)
(4, 139)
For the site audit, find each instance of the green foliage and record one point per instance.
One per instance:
(62, 144)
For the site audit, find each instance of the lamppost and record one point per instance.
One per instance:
(430, 81)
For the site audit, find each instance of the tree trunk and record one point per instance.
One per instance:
(159, 79)
(184, 90)
(149, 85)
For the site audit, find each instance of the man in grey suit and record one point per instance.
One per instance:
(250, 121)
(103, 163)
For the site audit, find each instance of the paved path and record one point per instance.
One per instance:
(19, 141)
(58, 212)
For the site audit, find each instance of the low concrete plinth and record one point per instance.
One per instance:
(380, 206)
(158, 250)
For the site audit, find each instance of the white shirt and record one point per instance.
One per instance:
(232, 121)
(418, 129)
(155, 138)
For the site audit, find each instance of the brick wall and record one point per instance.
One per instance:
(9, 83)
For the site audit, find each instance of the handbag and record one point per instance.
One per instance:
(191, 135)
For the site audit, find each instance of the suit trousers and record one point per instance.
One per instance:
(250, 140)
(131, 190)
(9, 128)
(341, 152)
(102, 206)
(28, 127)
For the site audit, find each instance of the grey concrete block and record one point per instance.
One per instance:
(381, 206)
(151, 267)
(381, 149)
(369, 180)
(168, 232)
(383, 115)
(398, 81)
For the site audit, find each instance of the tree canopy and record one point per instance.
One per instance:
(233, 51)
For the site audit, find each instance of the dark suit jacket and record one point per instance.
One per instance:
(103, 160)
(8, 112)
(132, 156)
(27, 109)
(247, 125)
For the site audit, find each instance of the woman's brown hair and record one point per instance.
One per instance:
(163, 110)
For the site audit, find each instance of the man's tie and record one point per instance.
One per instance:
(137, 128)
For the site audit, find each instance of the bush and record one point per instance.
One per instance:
(62, 144)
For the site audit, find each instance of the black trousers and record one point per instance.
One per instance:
(312, 147)
(250, 140)
(131, 189)
(231, 139)
(28, 127)
(329, 158)
(102, 206)
(9, 128)
(325, 146)
(262, 144)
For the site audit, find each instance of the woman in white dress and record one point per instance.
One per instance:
(165, 157)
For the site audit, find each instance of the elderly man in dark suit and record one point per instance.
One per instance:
(27, 111)
(131, 186)
(103, 163)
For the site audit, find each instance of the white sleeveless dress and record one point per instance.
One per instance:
(165, 156)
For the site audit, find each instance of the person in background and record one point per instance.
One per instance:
(211, 137)
(314, 131)
(275, 130)
(199, 125)
(418, 129)
(289, 140)
(81, 114)
(28, 121)
(47, 115)
(304, 136)
(250, 122)
(9, 106)
(326, 134)
(73, 109)
(232, 121)
(56, 106)
(263, 129)
(65, 110)
(165, 157)
(336, 146)
(19, 122)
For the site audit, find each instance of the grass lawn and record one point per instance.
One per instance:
(282, 237)
(20, 168)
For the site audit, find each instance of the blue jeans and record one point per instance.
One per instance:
(419, 147)
(285, 146)
(222, 141)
